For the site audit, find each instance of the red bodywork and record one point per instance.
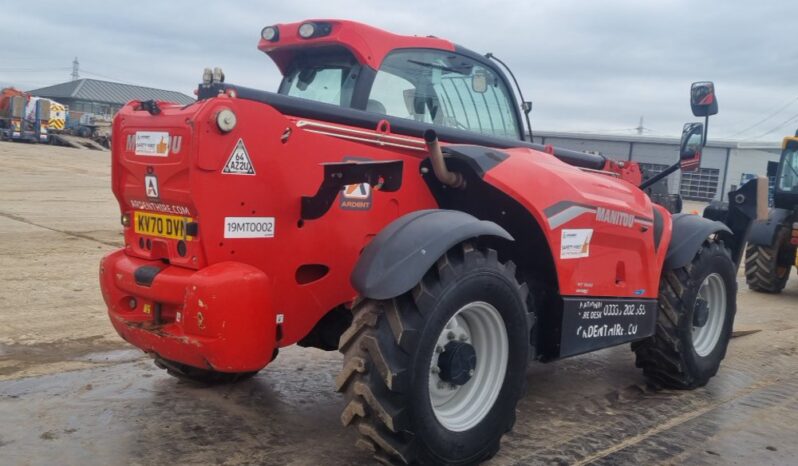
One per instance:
(369, 45)
(228, 303)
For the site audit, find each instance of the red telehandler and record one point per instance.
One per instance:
(385, 203)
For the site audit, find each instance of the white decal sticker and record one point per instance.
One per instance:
(249, 227)
(357, 191)
(239, 162)
(160, 207)
(575, 243)
(151, 186)
(152, 143)
(615, 217)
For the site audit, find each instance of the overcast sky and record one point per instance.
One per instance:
(590, 65)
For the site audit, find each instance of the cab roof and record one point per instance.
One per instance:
(368, 44)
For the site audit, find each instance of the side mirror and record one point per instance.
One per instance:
(702, 99)
(690, 146)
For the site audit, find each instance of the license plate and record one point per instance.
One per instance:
(160, 225)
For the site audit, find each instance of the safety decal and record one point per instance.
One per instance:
(239, 162)
(152, 143)
(356, 196)
(249, 227)
(151, 186)
(575, 243)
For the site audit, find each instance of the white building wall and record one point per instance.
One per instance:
(661, 154)
(748, 161)
(740, 160)
(612, 149)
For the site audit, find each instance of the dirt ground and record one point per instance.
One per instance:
(72, 392)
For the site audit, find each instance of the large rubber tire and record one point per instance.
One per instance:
(669, 357)
(201, 376)
(388, 353)
(767, 268)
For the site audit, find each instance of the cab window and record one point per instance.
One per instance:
(788, 178)
(445, 89)
(327, 74)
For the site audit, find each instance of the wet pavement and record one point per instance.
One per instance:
(594, 409)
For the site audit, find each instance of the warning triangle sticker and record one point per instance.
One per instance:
(239, 162)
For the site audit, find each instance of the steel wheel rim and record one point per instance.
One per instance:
(713, 291)
(462, 407)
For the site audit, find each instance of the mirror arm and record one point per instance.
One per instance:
(649, 182)
(526, 111)
(706, 129)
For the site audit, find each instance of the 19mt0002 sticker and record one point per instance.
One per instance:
(249, 227)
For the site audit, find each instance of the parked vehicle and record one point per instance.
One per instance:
(384, 203)
(771, 251)
(23, 117)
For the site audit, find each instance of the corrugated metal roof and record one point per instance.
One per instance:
(94, 90)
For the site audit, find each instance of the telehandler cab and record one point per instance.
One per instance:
(385, 203)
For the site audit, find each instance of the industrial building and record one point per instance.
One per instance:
(724, 164)
(104, 97)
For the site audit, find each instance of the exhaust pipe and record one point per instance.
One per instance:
(449, 178)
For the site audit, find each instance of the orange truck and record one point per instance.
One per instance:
(23, 117)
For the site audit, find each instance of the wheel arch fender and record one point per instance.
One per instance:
(402, 252)
(763, 232)
(689, 233)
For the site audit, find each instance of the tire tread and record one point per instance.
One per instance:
(662, 356)
(383, 335)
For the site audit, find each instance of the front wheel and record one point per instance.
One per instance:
(433, 376)
(767, 268)
(696, 311)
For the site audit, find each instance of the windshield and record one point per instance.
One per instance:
(325, 75)
(446, 89)
(788, 172)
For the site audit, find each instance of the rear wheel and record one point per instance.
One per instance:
(433, 376)
(767, 268)
(201, 376)
(694, 321)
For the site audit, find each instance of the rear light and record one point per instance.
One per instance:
(226, 120)
(125, 220)
(270, 34)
